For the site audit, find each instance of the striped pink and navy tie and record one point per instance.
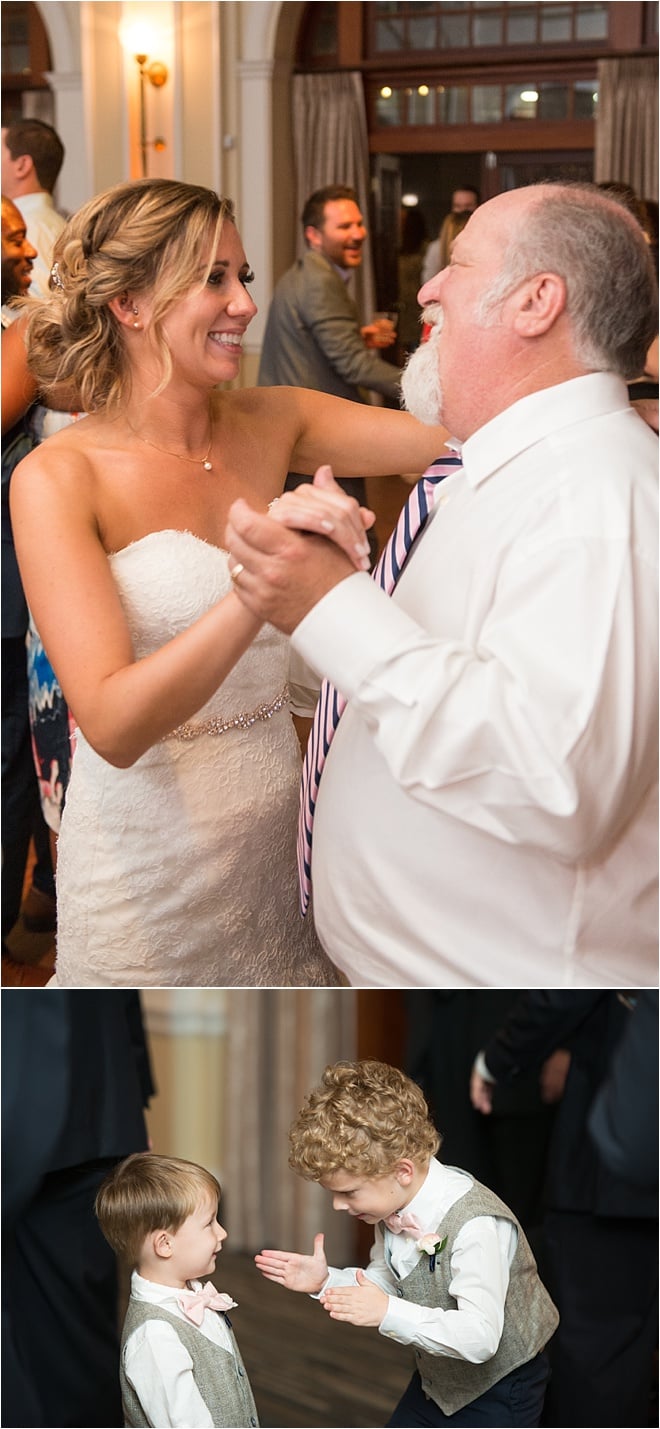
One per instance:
(331, 704)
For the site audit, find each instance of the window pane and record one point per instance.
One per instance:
(553, 102)
(521, 101)
(454, 31)
(487, 29)
(520, 26)
(452, 102)
(555, 23)
(585, 98)
(421, 109)
(389, 35)
(591, 22)
(486, 103)
(421, 33)
(389, 107)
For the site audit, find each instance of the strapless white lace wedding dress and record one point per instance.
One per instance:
(181, 870)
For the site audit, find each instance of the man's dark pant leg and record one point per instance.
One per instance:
(60, 1282)
(602, 1273)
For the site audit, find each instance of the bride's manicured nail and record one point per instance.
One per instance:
(328, 525)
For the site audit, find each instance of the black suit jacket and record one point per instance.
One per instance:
(590, 1025)
(75, 1080)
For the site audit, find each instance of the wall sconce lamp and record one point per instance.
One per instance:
(156, 74)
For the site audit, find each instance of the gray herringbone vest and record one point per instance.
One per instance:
(220, 1376)
(530, 1317)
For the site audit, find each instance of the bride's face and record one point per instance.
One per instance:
(204, 331)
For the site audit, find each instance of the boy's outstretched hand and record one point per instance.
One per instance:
(297, 1272)
(361, 1304)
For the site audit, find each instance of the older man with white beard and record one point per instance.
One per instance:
(487, 814)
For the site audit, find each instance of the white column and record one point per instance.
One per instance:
(255, 199)
(74, 183)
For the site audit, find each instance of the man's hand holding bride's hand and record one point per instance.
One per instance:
(323, 508)
(296, 1272)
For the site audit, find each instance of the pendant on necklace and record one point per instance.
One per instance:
(208, 466)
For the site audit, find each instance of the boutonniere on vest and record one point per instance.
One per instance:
(431, 1246)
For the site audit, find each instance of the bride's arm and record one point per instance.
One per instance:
(122, 705)
(354, 438)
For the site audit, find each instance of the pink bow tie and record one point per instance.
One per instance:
(400, 1222)
(208, 1298)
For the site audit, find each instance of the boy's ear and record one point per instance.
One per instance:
(162, 1244)
(404, 1171)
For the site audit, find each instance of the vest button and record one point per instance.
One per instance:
(399, 1292)
(240, 1372)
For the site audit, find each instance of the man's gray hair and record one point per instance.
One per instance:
(600, 251)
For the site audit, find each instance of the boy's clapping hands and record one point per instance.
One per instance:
(361, 1304)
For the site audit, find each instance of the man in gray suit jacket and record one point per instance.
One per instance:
(313, 336)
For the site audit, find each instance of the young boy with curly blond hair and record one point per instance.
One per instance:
(450, 1271)
(180, 1363)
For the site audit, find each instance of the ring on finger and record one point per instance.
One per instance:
(236, 570)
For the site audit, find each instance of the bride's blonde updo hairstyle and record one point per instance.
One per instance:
(145, 237)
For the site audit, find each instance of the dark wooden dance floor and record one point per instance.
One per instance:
(306, 1369)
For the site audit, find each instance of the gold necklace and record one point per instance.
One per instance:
(196, 460)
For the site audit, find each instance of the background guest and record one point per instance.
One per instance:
(76, 1078)
(32, 156)
(600, 1226)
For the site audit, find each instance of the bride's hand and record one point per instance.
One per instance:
(324, 509)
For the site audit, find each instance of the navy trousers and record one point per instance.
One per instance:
(515, 1400)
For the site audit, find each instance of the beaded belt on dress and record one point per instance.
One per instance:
(240, 721)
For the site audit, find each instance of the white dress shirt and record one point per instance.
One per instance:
(487, 814)
(158, 1365)
(44, 224)
(480, 1259)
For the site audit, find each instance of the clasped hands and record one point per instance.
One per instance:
(311, 539)
(361, 1304)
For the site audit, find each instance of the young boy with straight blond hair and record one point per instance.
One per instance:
(450, 1271)
(180, 1363)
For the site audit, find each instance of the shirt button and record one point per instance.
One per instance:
(443, 499)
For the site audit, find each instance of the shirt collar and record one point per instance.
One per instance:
(156, 1294)
(538, 416)
(428, 1201)
(28, 202)
(344, 273)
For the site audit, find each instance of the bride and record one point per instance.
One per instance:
(176, 860)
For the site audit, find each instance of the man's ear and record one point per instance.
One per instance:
(313, 237)
(541, 301)
(23, 166)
